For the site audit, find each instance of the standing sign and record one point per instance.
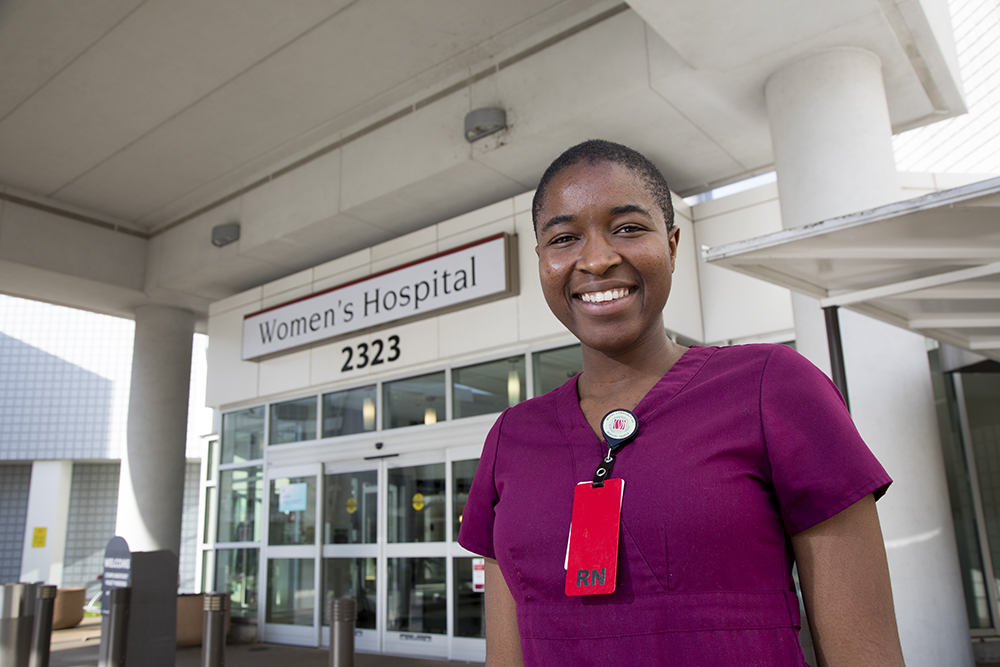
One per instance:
(117, 570)
(461, 277)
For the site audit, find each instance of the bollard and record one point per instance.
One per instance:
(342, 613)
(213, 637)
(114, 629)
(17, 610)
(41, 637)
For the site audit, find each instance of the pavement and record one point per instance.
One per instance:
(78, 647)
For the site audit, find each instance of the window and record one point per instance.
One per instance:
(291, 591)
(416, 504)
(968, 407)
(470, 608)
(293, 511)
(351, 509)
(417, 400)
(462, 473)
(241, 492)
(293, 421)
(416, 599)
(351, 578)
(236, 574)
(553, 367)
(490, 387)
(347, 412)
(242, 435)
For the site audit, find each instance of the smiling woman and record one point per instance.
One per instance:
(738, 462)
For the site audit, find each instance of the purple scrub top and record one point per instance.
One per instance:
(738, 448)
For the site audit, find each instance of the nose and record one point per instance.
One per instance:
(597, 255)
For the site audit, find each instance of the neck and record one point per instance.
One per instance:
(624, 378)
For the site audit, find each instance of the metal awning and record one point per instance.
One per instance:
(930, 264)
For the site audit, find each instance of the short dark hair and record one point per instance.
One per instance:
(596, 151)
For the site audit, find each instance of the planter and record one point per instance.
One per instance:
(191, 619)
(68, 609)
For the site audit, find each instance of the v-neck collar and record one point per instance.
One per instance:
(574, 424)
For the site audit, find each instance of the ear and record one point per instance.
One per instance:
(536, 251)
(675, 237)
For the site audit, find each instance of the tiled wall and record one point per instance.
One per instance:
(15, 480)
(65, 382)
(189, 527)
(93, 503)
(49, 407)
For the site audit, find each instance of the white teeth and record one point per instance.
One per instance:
(601, 297)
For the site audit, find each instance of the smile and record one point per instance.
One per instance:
(602, 297)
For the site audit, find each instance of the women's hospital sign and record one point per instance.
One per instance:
(458, 278)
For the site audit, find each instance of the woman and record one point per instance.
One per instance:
(744, 460)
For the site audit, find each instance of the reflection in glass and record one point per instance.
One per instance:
(293, 421)
(351, 578)
(350, 514)
(553, 367)
(418, 400)
(242, 435)
(960, 492)
(486, 388)
(293, 511)
(206, 576)
(470, 608)
(416, 504)
(291, 590)
(982, 403)
(416, 595)
(351, 411)
(240, 509)
(462, 473)
(236, 574)
(208, 514)
(209, 460)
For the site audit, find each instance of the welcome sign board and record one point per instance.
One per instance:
(458, 278)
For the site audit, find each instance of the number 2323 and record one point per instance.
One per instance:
(370, 355)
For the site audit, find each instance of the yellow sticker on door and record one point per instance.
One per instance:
(38, 537)
(418, 501)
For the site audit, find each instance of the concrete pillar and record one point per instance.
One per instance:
(833, 154)
(151, 492)
(46, 522)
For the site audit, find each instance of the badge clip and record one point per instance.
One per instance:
(619, 428)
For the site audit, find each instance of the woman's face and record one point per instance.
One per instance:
(605, 256)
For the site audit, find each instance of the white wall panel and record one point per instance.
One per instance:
(230, 379)
(285, 373)
(738, 306)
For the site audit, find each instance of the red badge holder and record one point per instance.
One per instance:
(592, 551)
(592, 561)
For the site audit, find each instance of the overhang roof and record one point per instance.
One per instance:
(930, 264)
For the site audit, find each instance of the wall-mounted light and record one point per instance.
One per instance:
(483, 122)
(223, 235)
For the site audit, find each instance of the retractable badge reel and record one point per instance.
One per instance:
(592, 552)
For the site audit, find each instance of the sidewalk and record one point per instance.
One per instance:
(78, 647)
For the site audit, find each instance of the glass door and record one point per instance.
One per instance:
(416, 562)
(388, 541)
(351, 548)
(291, 578)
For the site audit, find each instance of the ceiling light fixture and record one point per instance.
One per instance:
(483, 122)
(223, 235)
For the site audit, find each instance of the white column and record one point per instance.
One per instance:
(45, 527)
(833, 153)
(151, 492)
